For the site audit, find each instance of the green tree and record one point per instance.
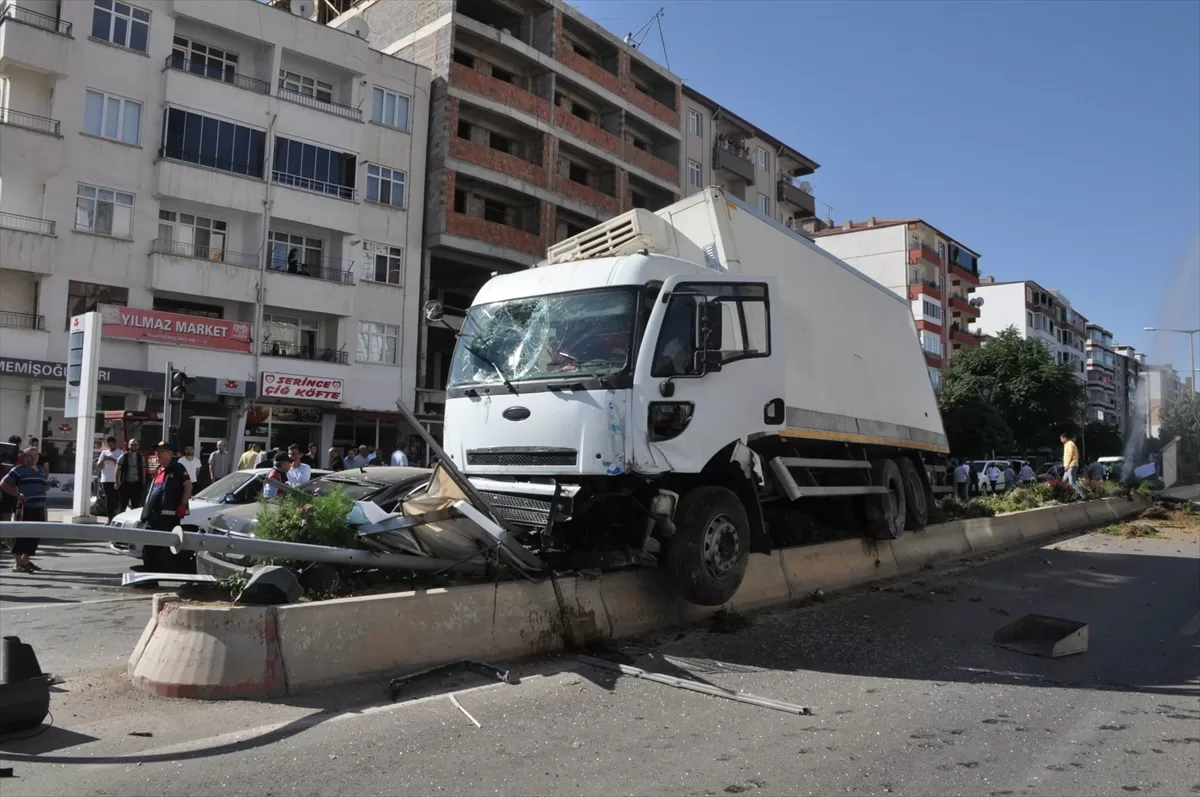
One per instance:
(1182, 419)
(1102, 439)
(1034, 396)
(974, 426)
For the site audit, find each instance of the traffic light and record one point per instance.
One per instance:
(180, 382)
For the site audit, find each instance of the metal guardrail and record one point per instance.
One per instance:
(13, 221)
(34, 19)
(346, 192)
(22, 320)
(196, 159)
(29, 121)
(301, 352)
(201, 69)
(328, 106)
(215, 254)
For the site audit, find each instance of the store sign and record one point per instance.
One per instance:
(173, 329)
(292, 386)
(40, 369)
(231, 387)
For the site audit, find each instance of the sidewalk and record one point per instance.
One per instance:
(1184, 492)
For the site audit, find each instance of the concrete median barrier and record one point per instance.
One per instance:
(222, 652)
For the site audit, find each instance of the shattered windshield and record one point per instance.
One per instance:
(588, 333)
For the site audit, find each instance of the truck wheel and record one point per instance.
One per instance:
(916, 496)
(708, 552)
(886, 513)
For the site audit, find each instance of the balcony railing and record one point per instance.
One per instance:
(219, 74)
(34, 19)
(209, 162)
(970, 268)
(22, 321)
(11, 221)
(328, 106)
(329, 269)
(215, 254)
(301, 351)
(349, 193)
(29, 121)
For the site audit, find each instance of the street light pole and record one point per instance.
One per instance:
(1191, 333)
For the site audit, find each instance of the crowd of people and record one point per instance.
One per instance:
(1008, 479)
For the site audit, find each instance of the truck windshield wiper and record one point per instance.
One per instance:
(603, 380)
(492, 363)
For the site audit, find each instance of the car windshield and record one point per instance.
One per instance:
(217, 491)
(542, 337)
(355, 489)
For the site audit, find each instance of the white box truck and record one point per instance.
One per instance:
(682, 388)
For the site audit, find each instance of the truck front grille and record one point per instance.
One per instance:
(525, 511)
(523, 457)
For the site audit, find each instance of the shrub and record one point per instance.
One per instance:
(313, 520)
(951, 508)
(1045, 492)
(1155, 513)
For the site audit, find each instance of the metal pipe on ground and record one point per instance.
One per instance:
(218, 543)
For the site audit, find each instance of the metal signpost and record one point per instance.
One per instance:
(83, 379)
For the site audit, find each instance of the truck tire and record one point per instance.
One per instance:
(886, 513)
(916, 496)
(708, 553)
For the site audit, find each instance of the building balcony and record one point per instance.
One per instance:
(325, 289)
(928, 325)
(652, 106)
(188, 175)
(203, 271)
(328, 106)
(22, 321)
(970, 275)
(934, 360)
(587, 131)
(29, 143)
(662, 169)
(929, 289)
(790, 193)
(962, 305)
(34, 41)
(593, 197)
(924, 253)
(29, 121)
(29, 224)
(494, 233)
(329, 269)
(733, 159)
(502, 162)
(504, 93)
(226, 76)
(314, 186)
(331, 205)
(566, 56)
(964, 336)
(27, 243)
(292, 351)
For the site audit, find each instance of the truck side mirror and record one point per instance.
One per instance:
(434, 311)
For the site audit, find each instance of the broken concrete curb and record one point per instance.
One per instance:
(218, 652)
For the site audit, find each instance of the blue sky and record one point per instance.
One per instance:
(1059, 139)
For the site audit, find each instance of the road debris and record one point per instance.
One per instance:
(696, 686)
(1041, 635)
(459, 706)
(396, 685)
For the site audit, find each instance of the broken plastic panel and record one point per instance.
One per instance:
(1040, 635)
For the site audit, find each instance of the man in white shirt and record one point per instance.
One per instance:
(107, 463)
(299, 472)
(191, 462)
(962, 480)
(399, 457)
(220, 462)
(993, 475)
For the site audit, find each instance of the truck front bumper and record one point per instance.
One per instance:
(528, 504)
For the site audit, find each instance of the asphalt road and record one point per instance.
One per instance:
(909, 697)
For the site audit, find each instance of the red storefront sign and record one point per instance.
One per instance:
(173, 329)
(293, 386)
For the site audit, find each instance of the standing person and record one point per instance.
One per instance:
(191, 462)
(993, 476)
(131, 477)
(279, 473)
(336, 462)
(311, 458)
(220, 462)
(372, 457)
(170, 491)
(264, 458)
(26, 483)
(1071, 465)
(299, 472)
(962, 480)
(107, 463)
(8, 503)
(399, 457)
(1010, 478)
(249, 458)
(1026, 475)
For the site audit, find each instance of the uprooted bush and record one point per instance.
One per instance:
(308, 519)
(951, 508)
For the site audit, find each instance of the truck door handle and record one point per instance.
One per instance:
(773, 412)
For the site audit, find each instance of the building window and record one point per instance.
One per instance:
(385, 185)
(384, 263)
(192, 236)
(188, 308)
(305, 86)
(201, 59)
(112, 117)
(764, 160)
(312, 168)
(84, 297)
(213, 143)
(1028, 319)
(295, 254)
(389, 108)
(104, 211)
(764, 204)
(377, 343)
(695, 124)
(120, 24)
(931, 310)
(941, 283)
(941, 250)
(935, 376)
(693, 174)
(289, 336)
(932, 344)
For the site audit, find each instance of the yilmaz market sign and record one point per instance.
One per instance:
(174, 329)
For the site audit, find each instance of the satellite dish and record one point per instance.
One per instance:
(357, 27)
(806, 187)
(303, 8)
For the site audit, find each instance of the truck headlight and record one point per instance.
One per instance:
(668, 419)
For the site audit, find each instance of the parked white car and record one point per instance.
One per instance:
(238, 488)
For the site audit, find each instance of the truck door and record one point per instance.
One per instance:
(709, 370)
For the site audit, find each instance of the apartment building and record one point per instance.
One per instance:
(1102, 377)
(933, 271)
(1037, 313)
(229, 185)
(542, 124)
(1130, 399)
(1164, 388)
(721, 148)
